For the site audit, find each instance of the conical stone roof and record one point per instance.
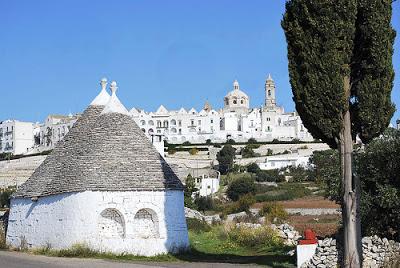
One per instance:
(101, 152)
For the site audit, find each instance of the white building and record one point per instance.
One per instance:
(236, 120)
(208, 184)
(284, 161)
(105, 186)
(53, 130)
(16, 137)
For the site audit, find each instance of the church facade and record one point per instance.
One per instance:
(236, 120)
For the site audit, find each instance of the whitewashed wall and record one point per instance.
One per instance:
(70, 218)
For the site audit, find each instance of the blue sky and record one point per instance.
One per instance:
(176, 53)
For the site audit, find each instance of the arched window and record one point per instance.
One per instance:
(234, 102)
(173, 130)
(151, 131)
(269, 92)
(143, 130)
(142, 122)
(165, 123)
(151, 122)
(159, 123)
(146, 223)
(242, 101)
(173, 122)
(111, 224)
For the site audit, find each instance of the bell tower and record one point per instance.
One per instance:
(270, 100)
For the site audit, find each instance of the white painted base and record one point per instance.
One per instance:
(305, 253)
(71, 218)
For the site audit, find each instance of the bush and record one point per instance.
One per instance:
(273, 212)
(269, 175)
(193, 151)
(239, 187)
(197, 226)
(253, 168)
(299, 173)
(269, 152)
(171, 151)
(245, 202)
(204, 203)
(208, 142)
(284, 192)
(252, 141)
(190, 188)
(231, 141)
(5, 195)
(186, 143)
(225, 158)
(248, 152)
(264, 236)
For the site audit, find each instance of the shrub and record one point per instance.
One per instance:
(239, 187)
(225, 158)
(231, 141)
(252, 141)
(273, 212)
(197, 226)
(269, 152)
(186, 143)
(269, 175)
(208, 141)
(253, 237)
(204, 203)
(5, 195)
(245, 202)
(193, 151)
(190, 188)
(299, 173)
(253, 168)
(248, 152)
(289, 192)
(171, 151)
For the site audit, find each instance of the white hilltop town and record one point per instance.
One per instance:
(236, 120)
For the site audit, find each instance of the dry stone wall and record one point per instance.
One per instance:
(377, 253)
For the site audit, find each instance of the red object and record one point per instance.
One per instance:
(309, 238)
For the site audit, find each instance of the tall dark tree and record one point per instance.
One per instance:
(225, 158)
(340, 64)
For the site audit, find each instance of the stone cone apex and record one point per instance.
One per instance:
(103, 97)
(114, 105)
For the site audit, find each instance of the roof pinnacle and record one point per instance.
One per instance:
(113, 87)
(103, 83)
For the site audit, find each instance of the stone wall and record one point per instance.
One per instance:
(377, 252)
(70, 218)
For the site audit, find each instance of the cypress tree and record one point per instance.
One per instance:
(340, 65)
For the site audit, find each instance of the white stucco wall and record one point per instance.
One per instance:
(71, 218)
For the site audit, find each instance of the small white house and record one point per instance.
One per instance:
(208, 184)
(16, 137)
(283, 161)
(104, 185)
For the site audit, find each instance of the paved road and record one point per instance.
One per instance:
(24, 260)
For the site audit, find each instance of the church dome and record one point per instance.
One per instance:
(236, 100)
(236, 92)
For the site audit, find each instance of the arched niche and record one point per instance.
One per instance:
(111, 224)
(146, 224)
